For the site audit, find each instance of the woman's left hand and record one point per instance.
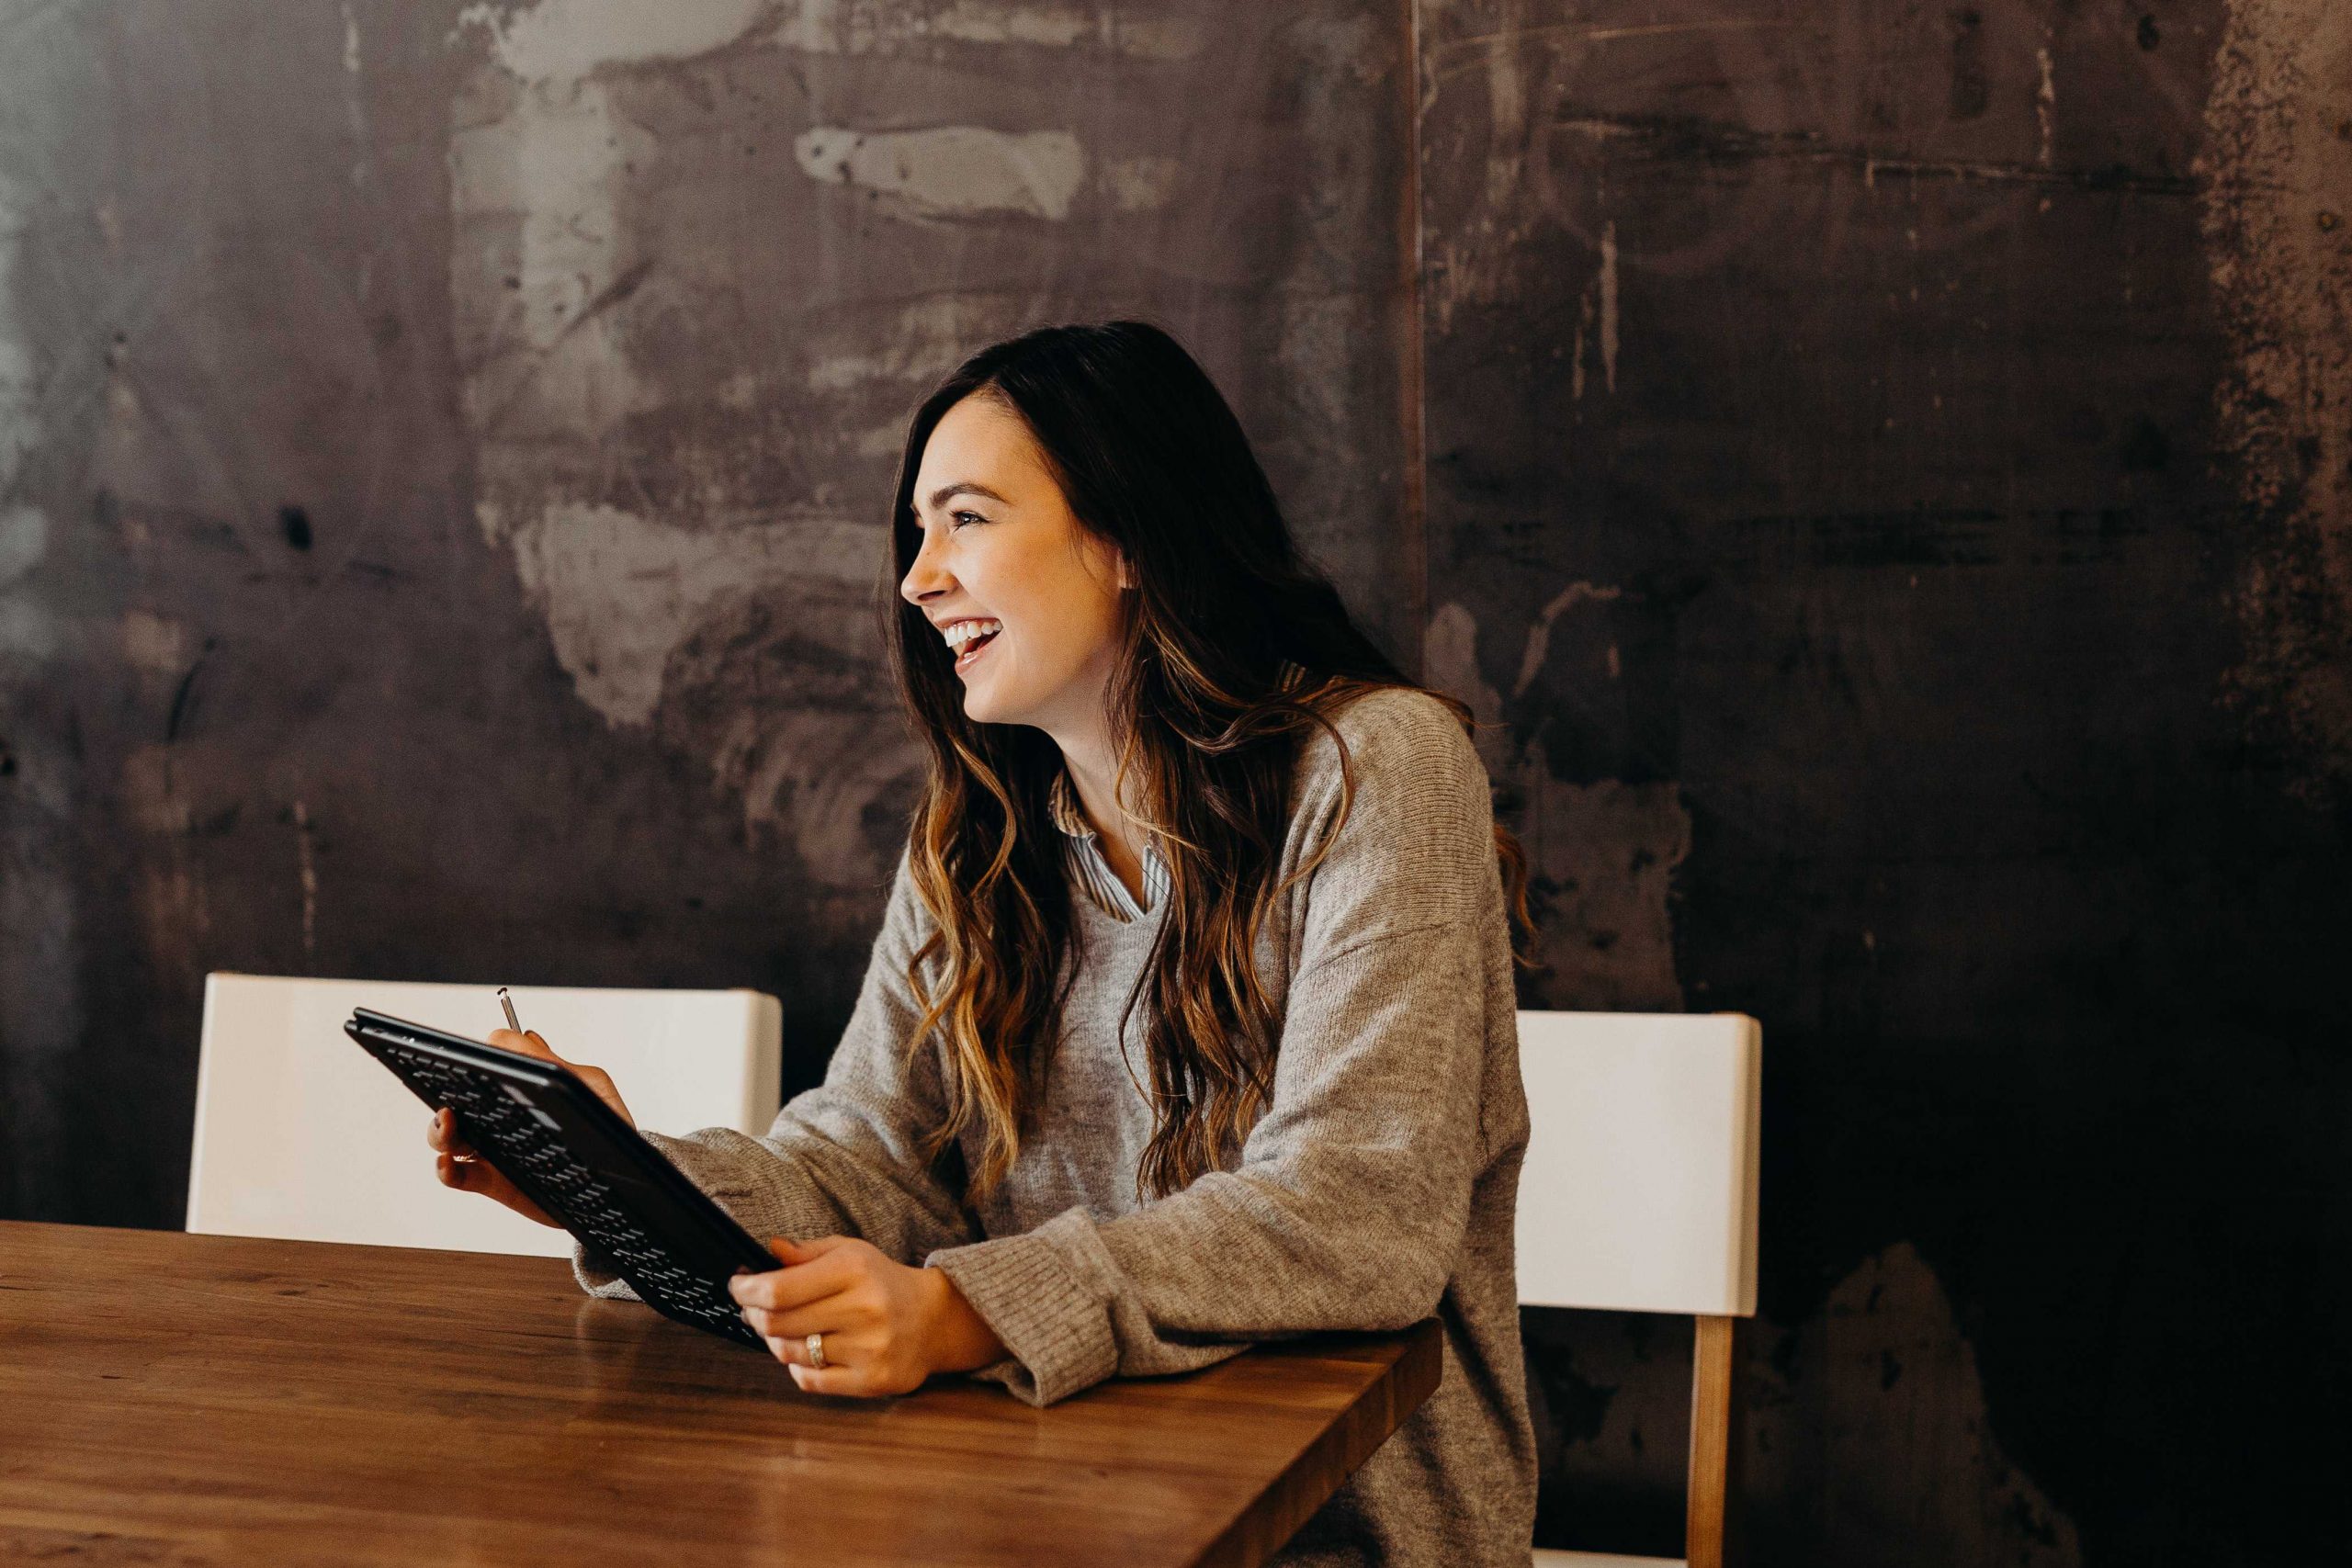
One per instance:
(887, 1327)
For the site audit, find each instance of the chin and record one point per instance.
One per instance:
(982, 705)
(980, 708)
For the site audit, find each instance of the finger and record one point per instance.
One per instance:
(467, 1176)
(842, 1313)
(789, 1252)
(530, 1043)
(442, 1133)
(836, 1380)
(827, 1317)
(522, 1043)
(790, 1290)
(792, 1349)
(783, 1289)
(792, 1254)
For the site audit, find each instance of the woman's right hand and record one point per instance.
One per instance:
(459, 1166)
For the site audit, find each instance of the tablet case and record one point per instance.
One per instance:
(575, 1157)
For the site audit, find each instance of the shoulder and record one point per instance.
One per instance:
(1396, 774)
(1393, 822)
(1392, 740)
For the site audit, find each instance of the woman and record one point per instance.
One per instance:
(1191, 1019)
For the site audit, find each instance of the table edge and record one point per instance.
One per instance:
(1265, 1524)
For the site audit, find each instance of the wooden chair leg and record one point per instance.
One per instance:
(1715, 1443)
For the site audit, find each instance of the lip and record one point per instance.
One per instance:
(972, 656)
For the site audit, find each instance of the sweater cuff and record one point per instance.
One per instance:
(1056, 1330)
(596, 1276)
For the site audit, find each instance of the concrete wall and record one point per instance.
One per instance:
(1882, 469)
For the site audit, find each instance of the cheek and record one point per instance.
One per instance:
(1064, 616)
(1061, 620)
(1076, 634)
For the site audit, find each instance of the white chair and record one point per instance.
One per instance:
(1639, 1195)
(301, 1134)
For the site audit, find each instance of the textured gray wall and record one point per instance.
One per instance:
(1880, 468)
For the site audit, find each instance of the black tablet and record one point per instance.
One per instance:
(572, 1155)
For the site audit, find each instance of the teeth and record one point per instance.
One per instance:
(961, 633)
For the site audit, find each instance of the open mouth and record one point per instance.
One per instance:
(976, 647)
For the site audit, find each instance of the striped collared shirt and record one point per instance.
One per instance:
(1093, 868)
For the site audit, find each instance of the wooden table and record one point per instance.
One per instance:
(188, 1399)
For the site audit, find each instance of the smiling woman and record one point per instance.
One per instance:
(1191, 1022)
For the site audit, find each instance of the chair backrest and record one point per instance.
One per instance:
(1639, 1189)
(301, 1134)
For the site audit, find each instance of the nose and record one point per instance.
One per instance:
(926, 579)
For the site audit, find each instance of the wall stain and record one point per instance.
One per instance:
(1601, 854)
(1885, 1372)
(858, 27)
(950, 171)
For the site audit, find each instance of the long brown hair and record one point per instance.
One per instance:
(1235, 652)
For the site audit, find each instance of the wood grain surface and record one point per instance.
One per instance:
(185, 1400)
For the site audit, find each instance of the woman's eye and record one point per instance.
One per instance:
(960, 518)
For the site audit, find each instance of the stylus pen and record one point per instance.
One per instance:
(508, 1003)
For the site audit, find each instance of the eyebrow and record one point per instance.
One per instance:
(944, 493)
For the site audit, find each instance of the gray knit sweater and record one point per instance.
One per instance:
(1377, 1190)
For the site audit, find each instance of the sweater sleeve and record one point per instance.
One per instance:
(844, 1158)
(1349, 1206)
